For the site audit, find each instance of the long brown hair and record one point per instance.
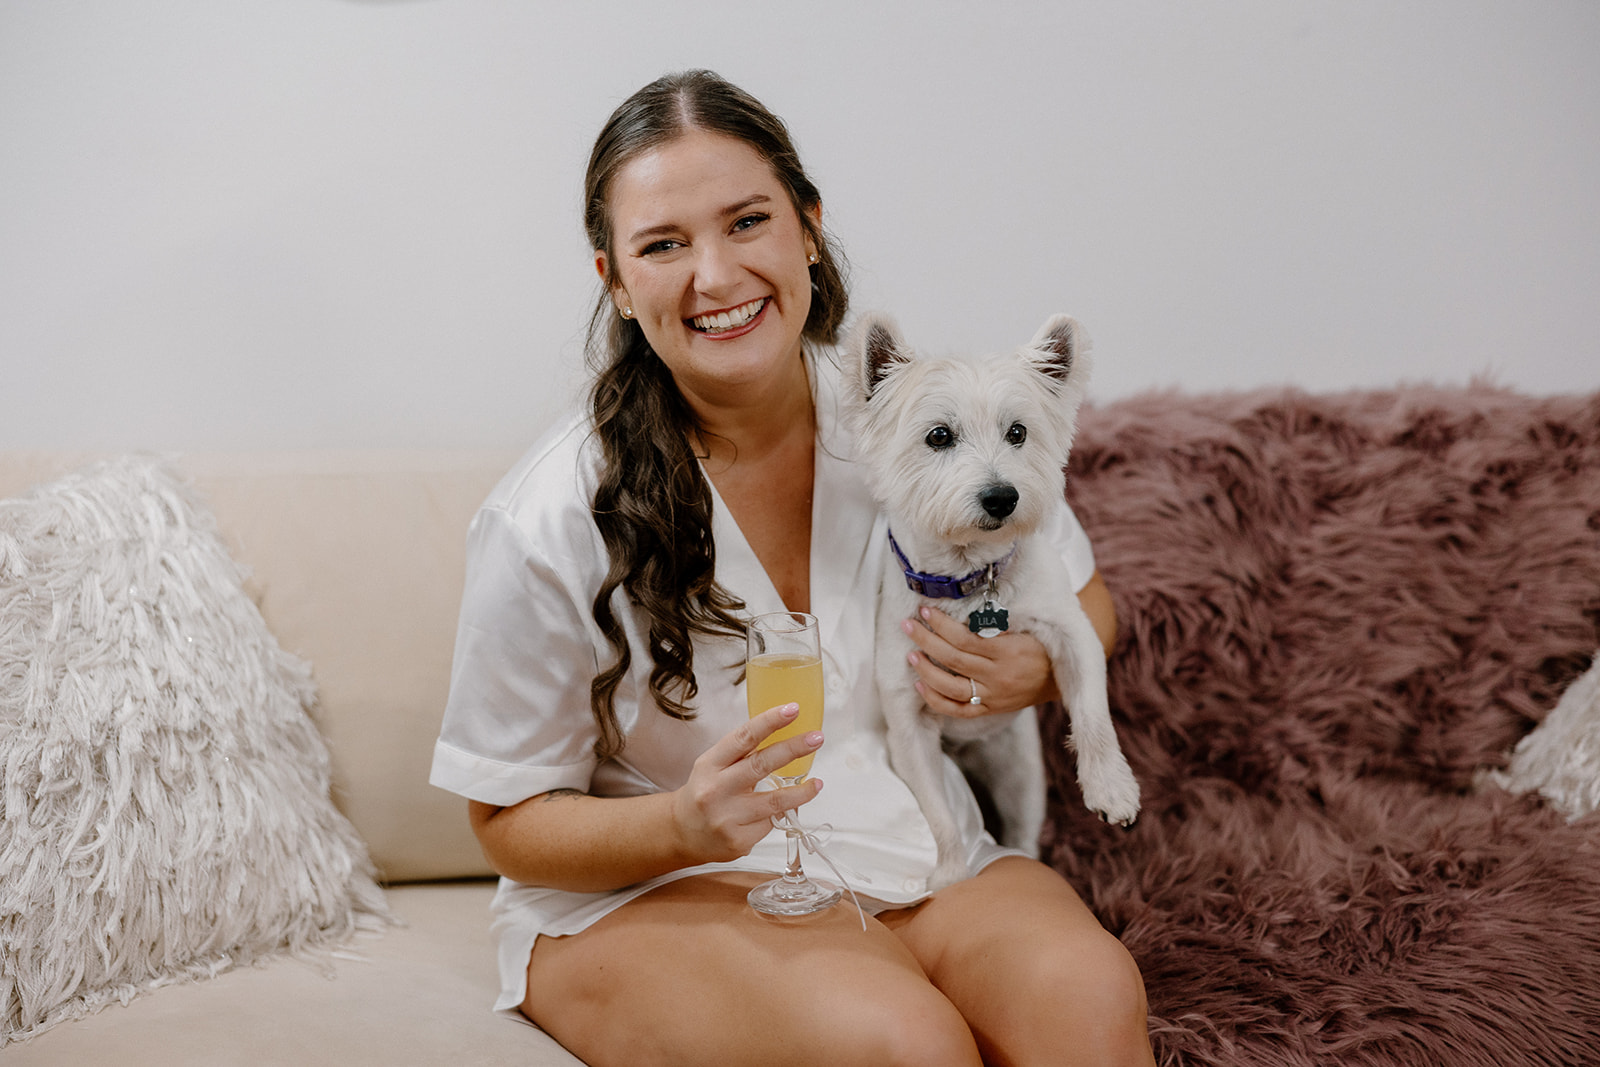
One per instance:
(653, 503)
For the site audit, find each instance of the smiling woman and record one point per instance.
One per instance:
(597, 720)
(714, 267)
(638, 408)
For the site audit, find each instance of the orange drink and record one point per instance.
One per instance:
(774, 678)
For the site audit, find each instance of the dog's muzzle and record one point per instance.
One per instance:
(999, 501)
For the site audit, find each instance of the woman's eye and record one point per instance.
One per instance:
(658, 247)
(746, 222)
(1017, 434)
(940, 437)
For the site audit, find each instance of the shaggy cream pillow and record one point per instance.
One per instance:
(164, 797)
(1561, 756)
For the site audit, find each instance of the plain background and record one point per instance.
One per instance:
(285, 223)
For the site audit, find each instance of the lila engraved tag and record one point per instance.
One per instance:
(988, 621)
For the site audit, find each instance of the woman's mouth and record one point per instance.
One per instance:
(727, 321)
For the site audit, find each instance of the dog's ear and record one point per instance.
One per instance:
(1060, 352)
(1064, 346)
(879, 350)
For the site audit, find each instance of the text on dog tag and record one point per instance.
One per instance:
(988, 621)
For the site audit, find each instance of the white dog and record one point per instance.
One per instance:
(966, 456)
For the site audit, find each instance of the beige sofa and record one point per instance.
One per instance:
(356, 561)
(1338, 614)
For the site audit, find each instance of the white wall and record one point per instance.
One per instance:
(325, 222)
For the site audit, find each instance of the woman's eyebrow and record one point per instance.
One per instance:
(747, 202)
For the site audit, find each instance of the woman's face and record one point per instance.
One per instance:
(710, 255)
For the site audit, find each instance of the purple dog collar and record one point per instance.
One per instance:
(944, 587)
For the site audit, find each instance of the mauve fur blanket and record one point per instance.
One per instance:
(1335, 609)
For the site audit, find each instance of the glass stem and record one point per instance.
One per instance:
(793, 873)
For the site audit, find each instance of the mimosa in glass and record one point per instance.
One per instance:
(777, 678)
(783, 665)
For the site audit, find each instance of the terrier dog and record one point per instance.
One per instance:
(966, 456)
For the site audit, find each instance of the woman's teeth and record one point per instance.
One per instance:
(727, 320)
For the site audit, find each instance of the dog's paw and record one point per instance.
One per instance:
(1116, 800)
(948, 873)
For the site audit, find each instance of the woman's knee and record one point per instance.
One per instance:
(910, 1026)
(727, 987)
(1115, 974)
(1102, 989)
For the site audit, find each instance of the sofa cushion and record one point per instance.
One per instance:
(355, 558)
(418, 996)
(165, 810)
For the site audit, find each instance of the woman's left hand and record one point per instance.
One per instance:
(1010, 671)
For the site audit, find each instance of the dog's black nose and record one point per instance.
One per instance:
(998, 500)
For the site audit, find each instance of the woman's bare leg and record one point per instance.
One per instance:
(1032, 971)
(689, 974)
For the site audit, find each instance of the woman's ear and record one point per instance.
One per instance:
(815, 211)
(619, 295)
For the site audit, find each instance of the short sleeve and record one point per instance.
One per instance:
(517, 722)
(1064, 531)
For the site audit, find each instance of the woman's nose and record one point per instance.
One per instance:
(716, 268)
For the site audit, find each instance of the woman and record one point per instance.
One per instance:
(596, 719)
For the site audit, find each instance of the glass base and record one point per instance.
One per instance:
(803, 897)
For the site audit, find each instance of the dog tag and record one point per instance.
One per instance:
(988, 621)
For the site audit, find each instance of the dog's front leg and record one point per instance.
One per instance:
(916, 751)
(917, 757)
(1107, 781)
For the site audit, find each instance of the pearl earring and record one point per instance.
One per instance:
(627, 311)
(812, 259)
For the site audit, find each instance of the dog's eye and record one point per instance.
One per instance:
(1017, 434)
(940, 437)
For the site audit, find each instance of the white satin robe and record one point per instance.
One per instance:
(518, 722)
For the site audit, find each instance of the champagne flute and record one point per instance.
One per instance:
(783, 665)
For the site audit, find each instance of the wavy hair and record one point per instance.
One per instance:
(653, 503)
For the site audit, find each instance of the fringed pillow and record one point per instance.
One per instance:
(1561, 757)
(164, 796)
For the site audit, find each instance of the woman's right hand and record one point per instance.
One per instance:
(718, 812)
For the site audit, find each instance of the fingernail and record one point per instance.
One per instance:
(814, 738)
(818, 783)
(911, 658)
(789, 711)
(926, 612)
(907, 625)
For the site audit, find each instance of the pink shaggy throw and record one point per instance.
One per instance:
(1335, 609)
